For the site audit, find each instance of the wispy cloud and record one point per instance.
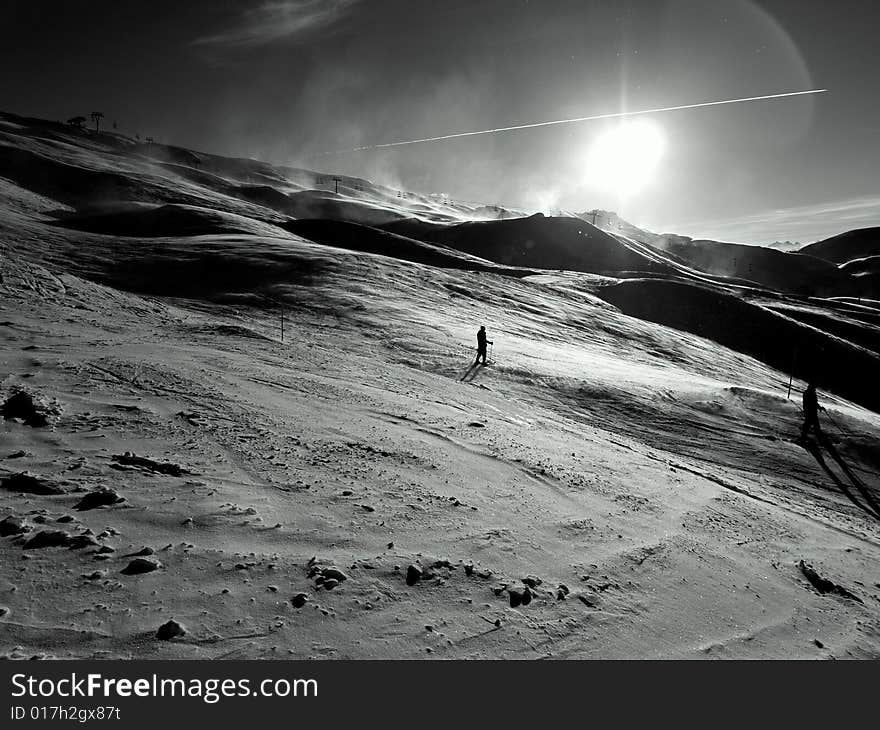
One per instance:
(275, 20)
(804, 223)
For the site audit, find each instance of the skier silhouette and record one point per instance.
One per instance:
(811, 413)
(481, 345)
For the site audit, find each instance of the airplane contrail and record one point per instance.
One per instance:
(441, 137)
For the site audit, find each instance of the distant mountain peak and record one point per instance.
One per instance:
(785, 245)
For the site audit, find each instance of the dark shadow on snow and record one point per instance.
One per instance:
(854, 479)
(471, 372)
(872, 508)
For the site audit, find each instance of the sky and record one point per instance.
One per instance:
(288, 81)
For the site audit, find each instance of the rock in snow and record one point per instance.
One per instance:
(141, 565)
(170, 630)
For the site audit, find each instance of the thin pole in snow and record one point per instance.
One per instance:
(280, 305)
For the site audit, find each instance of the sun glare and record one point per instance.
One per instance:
(624, 159)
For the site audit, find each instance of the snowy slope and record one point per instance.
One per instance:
(640, 476)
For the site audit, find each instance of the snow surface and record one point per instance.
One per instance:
(648, 470)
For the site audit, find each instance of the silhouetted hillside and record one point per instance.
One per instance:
(354, 237)
(844, 247)
(862, 267)
(319, 204)
(785, 272)
(536, 242)
(781, 342)
(168, 221)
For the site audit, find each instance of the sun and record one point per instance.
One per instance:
(624, 159)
